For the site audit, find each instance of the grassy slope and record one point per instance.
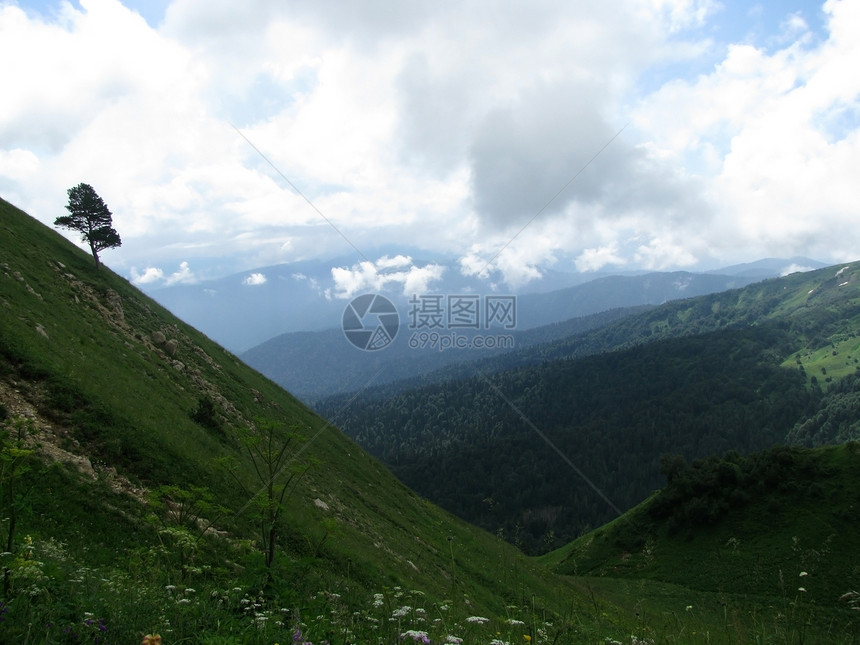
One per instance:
(799, 529)
(117, 397)
(102, 388)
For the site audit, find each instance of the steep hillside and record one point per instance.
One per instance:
(139, 456)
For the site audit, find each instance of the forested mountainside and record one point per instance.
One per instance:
(506, 451)
(331, 365)
(511, 450)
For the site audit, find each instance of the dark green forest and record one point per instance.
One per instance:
(471, 446)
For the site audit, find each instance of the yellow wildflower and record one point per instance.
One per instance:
(151, 639)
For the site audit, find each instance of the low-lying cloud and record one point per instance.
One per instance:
(394, 274)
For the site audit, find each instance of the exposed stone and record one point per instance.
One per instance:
(171, 346)
(41, 330)
(158, 338)
(115, 302)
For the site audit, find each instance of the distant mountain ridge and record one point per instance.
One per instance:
(242, 310)
(332, 365)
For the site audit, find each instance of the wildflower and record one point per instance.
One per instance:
(417, 636)
(480, 620)
(689, 607)
(453, 640)
(170, 587)
(513, 622)
(527, 638)
(803, 574)
(151, 639)
(801, 589)
(189, 590)
(402, 611)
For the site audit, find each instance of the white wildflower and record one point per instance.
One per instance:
(402, 611)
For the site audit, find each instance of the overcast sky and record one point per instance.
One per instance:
(696, 133)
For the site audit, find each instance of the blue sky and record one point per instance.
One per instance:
(723, 132)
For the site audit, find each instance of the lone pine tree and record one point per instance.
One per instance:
(91, 217)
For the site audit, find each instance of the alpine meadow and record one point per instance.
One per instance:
(686, 473)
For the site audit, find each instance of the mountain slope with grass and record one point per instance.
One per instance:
(151, 482)
(778, 529)
(132, 504)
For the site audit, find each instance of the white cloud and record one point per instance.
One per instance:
(595, 259)
(254, 279)
(427, 124)
(377, 276)
(795, 268)
(183, 276)
(149, 275)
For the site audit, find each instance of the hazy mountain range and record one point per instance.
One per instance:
(245, 309)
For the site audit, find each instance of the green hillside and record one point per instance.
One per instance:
(127, 480)
(141, 474)
(769, 541)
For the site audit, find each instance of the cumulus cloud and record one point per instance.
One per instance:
(770, 126)
(427, 123)
(153, 275)
(594, 259)
(254, 279)
(386, 273)
(184, 275)
(148, 276)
